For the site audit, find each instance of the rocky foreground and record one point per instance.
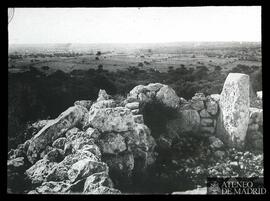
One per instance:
(113, 147)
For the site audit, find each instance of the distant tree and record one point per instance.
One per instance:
(45, 68)
(97, 58)
(170, 68)
(140, 64)
(98, 53)
(217, 68)
(100, 67)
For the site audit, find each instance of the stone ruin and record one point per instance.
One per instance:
(97, 147)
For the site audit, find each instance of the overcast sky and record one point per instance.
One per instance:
(134, 25)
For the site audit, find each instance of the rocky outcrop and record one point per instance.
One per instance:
(123, 138)
(53, 130)
(99, 147)
(154, 91)
(75, 152)
(233, 118)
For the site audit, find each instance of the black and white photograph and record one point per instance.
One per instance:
(135, 100)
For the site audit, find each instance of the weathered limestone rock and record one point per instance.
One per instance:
(105, 190)
(59, 172)
(197, 104)
(103, 104)
(234, 102)
(259, 95)
(45, 151)
(102, 95)
(215, 97)
(55, 155)
(168, 97)
(215, 143)
(206, 122)
(140, 137)
(70, 134)
(132, 106)
(154, 86)
(53, 130)
(51, 187)
(85, 103)
(93, 133)
(136, 111)
(85, 168)
(80, 140)
(211, 107)
(96, 180)
(93, 148)
(39, 171)
(154, 91)
(138, 119)
(197, 101)
(143, 98)
(60, 143)
(137, 90)
(204, 114)
(117, 119)
(112, 144)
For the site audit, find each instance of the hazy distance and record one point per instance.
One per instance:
(135, 25)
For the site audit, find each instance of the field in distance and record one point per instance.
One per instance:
(68, 57)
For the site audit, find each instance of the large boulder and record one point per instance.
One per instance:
(85, 168)
(234, 103)
(55, 129)
(59, 172)
(154, 91)
(197, 101)
(96, 180)
(40, 170)
(168, 97)
(117, 119)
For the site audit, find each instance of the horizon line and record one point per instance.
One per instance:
(233, 41)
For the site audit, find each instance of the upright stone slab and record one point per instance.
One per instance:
(233, 118)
